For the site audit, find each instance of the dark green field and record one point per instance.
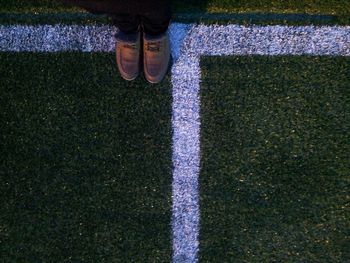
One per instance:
(208, 11)
(86, 157)
(336, 7)
(85, 161)
(275, 169)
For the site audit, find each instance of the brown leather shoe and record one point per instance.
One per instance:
(128, 54)
(156, 57)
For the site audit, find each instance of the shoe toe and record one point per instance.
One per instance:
(156, 57)
(129, 70)
(128, 55)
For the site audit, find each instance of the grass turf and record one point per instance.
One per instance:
(339, 10)
(275, 168)
(85, 161)
(279, 6)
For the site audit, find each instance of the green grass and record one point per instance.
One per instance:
(85, 161)
(275, 169)
(19, 6)
(340, 9)
(335, 7)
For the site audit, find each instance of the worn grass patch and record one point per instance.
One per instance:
(275, 167)
(85, 161)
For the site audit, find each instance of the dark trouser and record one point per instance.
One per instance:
(153, 15)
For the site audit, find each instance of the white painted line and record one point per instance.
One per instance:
(189, 42)
(204, 40)
(218, 41)
(56, 38)
(271, 40)
(186, 141)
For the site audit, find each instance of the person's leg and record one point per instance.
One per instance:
(155, 16)
(127, 23)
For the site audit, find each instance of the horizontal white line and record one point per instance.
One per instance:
(271, 40)
(205, 40)
(55, 38)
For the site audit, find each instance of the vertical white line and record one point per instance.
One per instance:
(186, 155)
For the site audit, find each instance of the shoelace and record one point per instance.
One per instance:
(153, 46)
(130, 46)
